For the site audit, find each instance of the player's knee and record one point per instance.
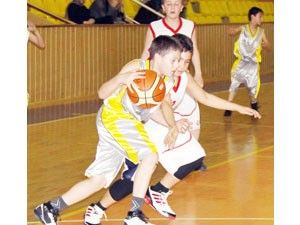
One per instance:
(129, 171)
(151, 160)
(97, 181)
(185, 170)
(120, 189)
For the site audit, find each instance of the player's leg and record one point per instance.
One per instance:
(136, 144)
(117, 191)
(236, 76)
(140, 185)
(100, 174)
(158, 194)
(253, 84)
(232, 94)
(179, 162)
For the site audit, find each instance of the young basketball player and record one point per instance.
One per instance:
(122, 135)
(247, 49)
(185, 157)
(172, 24)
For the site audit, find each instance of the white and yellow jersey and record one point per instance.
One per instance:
(248, 46)
(119, 102)
(160, 27)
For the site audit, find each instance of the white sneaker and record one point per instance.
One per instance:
(158, 200)
(93, 215)
(136, 218)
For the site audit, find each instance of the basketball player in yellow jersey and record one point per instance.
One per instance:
(247, 49)
(122, 135)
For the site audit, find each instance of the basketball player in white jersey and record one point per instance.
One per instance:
(247, 49)
(170, 25)
(185, 157)
(120, 126)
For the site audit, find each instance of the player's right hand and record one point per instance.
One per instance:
(183, 125)
(128, 77)
(249, 111)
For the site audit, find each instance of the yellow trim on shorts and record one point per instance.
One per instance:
(109, 120)
(258, 81)
(234, 67)
(114, 112)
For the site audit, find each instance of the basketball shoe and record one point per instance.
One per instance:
(254, 106)
(46, 213)
(136, 217)
(158, 200)
(227, 113)
(93, 215)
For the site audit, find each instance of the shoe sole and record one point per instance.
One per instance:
(149, 202)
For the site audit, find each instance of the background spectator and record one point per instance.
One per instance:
(78, 13)
(107, 11)
(144, 16)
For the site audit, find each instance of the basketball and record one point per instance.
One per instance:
(148, 92)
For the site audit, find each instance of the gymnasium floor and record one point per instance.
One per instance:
(237, 188)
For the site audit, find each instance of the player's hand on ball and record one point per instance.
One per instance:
(171, 137)
(183, 125)
(129, 77)
(249, 111)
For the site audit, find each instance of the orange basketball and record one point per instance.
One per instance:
(149, 92)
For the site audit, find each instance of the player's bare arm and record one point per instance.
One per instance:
(235, 30)
(265, 43)
(215, 102)
(35, 36)
(125, 77)
(148, 41)
(196, 62)
(166, 107)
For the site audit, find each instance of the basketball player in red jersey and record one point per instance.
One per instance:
(173, 24)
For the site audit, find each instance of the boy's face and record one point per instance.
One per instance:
(172, 8)
(257, 19)
(169, 62)
(184, 62)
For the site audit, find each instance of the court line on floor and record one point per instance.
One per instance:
(81, 210)
(237, 124)
(90, 114)
(183, 219)
(241, 157)
(94, 115)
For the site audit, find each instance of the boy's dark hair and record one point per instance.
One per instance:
(162, 44)
(253, 11)
(185, 41)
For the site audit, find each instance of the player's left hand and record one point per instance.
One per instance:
(249, 111)
(171, 137)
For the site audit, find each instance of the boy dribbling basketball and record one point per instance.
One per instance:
(122, 135)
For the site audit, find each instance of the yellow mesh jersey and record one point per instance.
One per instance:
(248, 46)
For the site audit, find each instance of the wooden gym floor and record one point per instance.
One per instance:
(237, 188)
